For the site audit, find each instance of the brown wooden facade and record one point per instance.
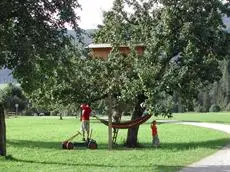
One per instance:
(102, 50)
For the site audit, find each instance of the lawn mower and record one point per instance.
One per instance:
(89, 143)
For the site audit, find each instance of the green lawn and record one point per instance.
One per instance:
(216, 117)
(34, 144)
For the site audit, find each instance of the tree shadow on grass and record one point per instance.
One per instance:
(90, 164)
(210, 168)
(211, 144)
(34, 144)
(51, 145)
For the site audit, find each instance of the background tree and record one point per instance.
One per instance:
(216, 94)
(33, 41)
(12, 95)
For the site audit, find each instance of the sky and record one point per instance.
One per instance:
(91, 13)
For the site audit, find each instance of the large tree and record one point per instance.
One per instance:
(184, 41)
(34, 42)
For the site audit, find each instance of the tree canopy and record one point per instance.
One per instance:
(33, 37)
(184, 42)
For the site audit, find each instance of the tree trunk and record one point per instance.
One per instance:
(132, 137)
(2, 132)
(60, 116)
(228, 82)
(110, 139)
(131, 140)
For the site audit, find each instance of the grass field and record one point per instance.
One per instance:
(216, 117)
(34, 144)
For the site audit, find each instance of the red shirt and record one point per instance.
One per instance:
(86, 113)
(154, 130)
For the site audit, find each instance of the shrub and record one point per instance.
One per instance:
(214, 108)
(200, 108)
(27, 112)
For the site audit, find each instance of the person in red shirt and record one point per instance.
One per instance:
(85, 120)
(155, 141)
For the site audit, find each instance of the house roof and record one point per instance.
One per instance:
(106, 45)
(99, 46)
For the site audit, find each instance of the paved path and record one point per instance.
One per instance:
(218, 162)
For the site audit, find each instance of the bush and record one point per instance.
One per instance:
(215, 108)
(200, 108)
(27, 112)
